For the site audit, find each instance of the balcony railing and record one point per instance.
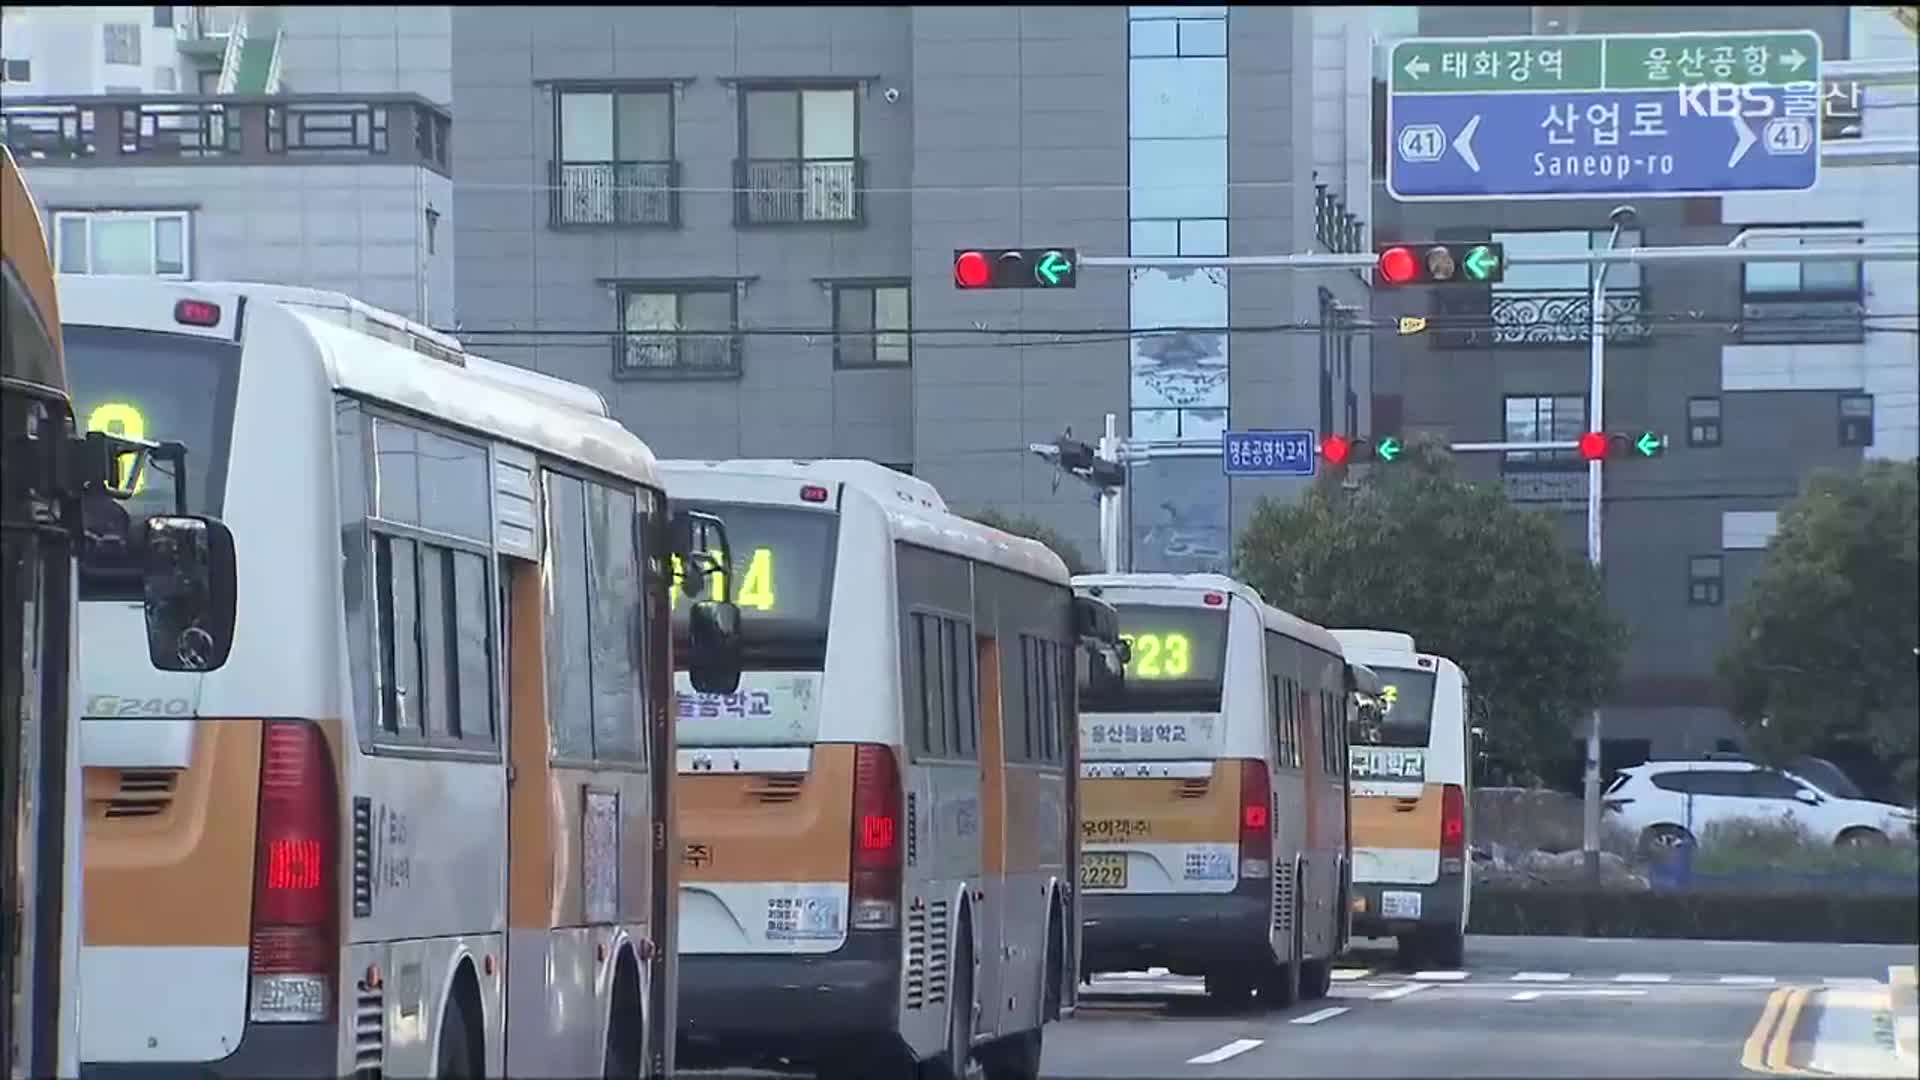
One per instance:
(1797, 320)
(176, 129)
(1543, 317)
(609, 193)
(676, 356)
(787, 191)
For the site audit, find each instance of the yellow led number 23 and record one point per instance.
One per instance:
(1159, 656)
(756, 591)
(122, 419)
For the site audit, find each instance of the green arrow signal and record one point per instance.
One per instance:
(1481, 262)
(1052, 267)
(1649, 444)
(1387, 449)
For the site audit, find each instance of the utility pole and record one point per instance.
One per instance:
(1102, 469)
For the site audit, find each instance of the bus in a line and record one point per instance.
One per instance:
(1412, 800)
(1213, 811)
(419, 823)
(877, 828)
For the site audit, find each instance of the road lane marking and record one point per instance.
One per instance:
(1852, 981)
(1536, 995)
(1753, 1052)
(1746, 980)
(1542, 976)
(1639, 977)
(1399, 992)
(1351, 974)
(1316, 1017)
(1440, 976)
(1780, 1047)
(1232, 1049)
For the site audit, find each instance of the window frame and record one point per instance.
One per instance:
(797, 88)
(1848, 424)
(163, 16)
(1542, 460)
(1705, 432)
(150, 217)
(679, 290)
(107, 36)
(1856, 294)
(873, 290)
(24, 66)
(614, 91)
(1706, 590)
(944, 637)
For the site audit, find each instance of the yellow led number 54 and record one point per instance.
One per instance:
(1159, 656)
(755, 592)
(122, 419)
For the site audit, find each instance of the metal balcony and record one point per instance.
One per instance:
(793, 191)
(585, 194)
(676, 356)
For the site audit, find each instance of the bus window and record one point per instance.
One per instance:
(1179, 659)
(1405, 709)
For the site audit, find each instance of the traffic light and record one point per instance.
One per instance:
(1083, 461)
(1358, 449)
(1612, 445)
(1442, 264)
(1015, 268)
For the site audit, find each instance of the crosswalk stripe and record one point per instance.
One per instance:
(1440, 976)
(1747, 980)
(1542, 976)
(1316, 1017)
(1637, 977)
(1232, 1049)
(1399, 992)
(1850, 980)
(1351, 974)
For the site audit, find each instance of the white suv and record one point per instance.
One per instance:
(1670, 804)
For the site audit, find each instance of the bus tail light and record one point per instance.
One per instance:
(294, 952)
(1453, 828)
(1256, 820)
(878, 816)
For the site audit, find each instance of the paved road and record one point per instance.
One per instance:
(1522, 1007)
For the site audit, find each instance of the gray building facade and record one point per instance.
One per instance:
(739, 224)
(1706, 354)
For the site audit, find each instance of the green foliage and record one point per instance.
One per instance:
(1471, 576)
(1823, 645)
(1729, 916)
(1034, 529)
(1758, 846)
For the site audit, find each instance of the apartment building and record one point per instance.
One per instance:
(1758, 374)
(296, 145)
(739, 224)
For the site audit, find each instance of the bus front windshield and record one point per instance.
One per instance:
(161, 387)
(1178, 661)
(1402, 714)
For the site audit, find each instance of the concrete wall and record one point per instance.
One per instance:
(359, 49)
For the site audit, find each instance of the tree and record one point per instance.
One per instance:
(1469, 575)
(1034, 529)
(1824, 643)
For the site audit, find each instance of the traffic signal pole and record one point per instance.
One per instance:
(1110, 511)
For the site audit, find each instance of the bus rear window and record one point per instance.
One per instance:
(163, 387)
(1406, 716)
(782, 578)
(1179, 658)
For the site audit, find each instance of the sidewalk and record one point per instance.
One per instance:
(1906, 1021)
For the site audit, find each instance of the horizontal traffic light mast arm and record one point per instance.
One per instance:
(1367, 260)
(1470, 447)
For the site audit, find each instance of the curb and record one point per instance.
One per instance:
(1901, 999)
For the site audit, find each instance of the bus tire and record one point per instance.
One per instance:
(460, 1055)
(1054, 989)
(952, 1062)
(625, 1024)
(1281, 989)
(1446, 948)
(1016, 1057)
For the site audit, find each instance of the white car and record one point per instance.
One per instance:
(1670, 804)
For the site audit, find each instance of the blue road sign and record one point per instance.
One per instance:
(1613, 116)
(1267, 453)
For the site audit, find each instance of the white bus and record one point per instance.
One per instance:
(877, 827)
(1213, 813)
(1412, 801)
(414, 825)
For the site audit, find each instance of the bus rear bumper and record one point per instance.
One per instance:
(1188, 934)
(266, 1051)
(737, 1009)
(1440, 905)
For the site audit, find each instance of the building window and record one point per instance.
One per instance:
(122, 42)
(670, 332)
(801, 160)
(613, 158)
(163, 17)
(1544, 418)
(1553, 304)
(1703, 421)
(140, 242)
(872, 326)
(17, 71)
(1804, 303)
(1856, 420)
(1705, 581)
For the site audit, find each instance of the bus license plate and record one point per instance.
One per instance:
(1103, 871)
(1400, 905)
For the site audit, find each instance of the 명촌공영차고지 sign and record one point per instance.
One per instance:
(1571, 117)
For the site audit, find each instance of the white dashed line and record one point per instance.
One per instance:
(1536, 995)
(1542, 976)
(1850, 980)
(1316, 1017)
(1232, 1049)
(1526, 995)
(1351, 974)
(1746, 980)
(1398, 992)
(1635, 977)
(1440, 976)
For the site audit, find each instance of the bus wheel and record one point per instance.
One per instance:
(1316, 976)
(953, 1061)
(1446, 948)
(457, 1058)
(1281, 988)
(1229, 989)
(624, 1026)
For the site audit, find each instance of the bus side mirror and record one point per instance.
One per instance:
(713, 635)
(700, 542)
(189, 586)
(1095, 619)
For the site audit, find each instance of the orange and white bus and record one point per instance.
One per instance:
(1213, 808)
(877, 827)
(1412, 800)
(419, 822)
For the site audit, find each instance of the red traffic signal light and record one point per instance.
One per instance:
(1399, 265)
(1336, 449)
(1593, 446)
(972, 270)
(1441, 264)
(1605, 445)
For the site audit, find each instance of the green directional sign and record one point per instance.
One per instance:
(1388, 448)
(1482, 263)
(1053, 269)
(1594, 62)
(1650, 445)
